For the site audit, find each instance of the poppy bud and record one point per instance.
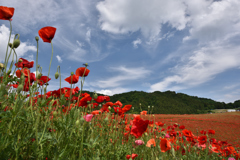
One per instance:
(82, 119)
(55, 113)
(88, 102)
(1, 65)
(37, 38)
(20, 60)
(22, 78)
(39, 75)
(148, 106)
(86, 64)
(34, 85)
(95, 96)
(77, 122)
(10, 45)
(132, 108)
(16, 43)
(72, 73)
(56, 75)
(9, 71)
(20, 88)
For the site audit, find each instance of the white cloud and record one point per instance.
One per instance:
(59, 59)
(111, 92)
(137, 42)
(126, 75)
(88, 35)
(211, 21)
(123, 16)
(24, 47)
(201, 66)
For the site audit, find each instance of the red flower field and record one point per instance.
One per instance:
(226, 125)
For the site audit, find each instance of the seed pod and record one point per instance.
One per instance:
(16, 43)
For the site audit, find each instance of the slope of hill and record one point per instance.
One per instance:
(169, 102)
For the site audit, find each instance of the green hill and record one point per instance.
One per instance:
(169, 102)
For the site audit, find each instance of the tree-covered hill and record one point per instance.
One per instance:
(169, 102)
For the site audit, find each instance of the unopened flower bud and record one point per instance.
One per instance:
(56, 75)
(148, 106)
(86, 64)
(20, 88)
(22, 77)
(55, 113)
(20, 60)
(95, 96)
(37, 38)
(109, 107)
(39, 75)
(9, 71)
(1, 65)
(10, 45)
(72, 73)
(16, 43)
(77, 122)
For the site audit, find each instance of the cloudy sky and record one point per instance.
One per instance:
(187, 46)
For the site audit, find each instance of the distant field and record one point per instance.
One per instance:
(226, 125)
(219, 110)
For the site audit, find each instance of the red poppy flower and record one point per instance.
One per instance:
(139, 127)
(6, 13)
(118, 110)
(126, 108)
(164, 145)
(118, 103)
(211, 131)
(151, 142)
(187, 133)
(143, 113)
(73, 78)
(47, 33)
(159, 124)
(181, 127)
(18, 73)
(43, 80)
(202, 139)
(203, 132)
(80, 71)
(133, 156)
(100, 99)
(24, 63)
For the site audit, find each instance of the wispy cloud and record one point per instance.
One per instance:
(137, 42)
(126, 75)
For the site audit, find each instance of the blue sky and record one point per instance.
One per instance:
(187, 46)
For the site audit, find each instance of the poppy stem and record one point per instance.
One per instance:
(37, 63)
(8, 43)
(81, 86)
(49, 65)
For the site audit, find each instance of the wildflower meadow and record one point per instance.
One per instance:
(68, 124)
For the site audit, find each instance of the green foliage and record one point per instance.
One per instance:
(169, 102)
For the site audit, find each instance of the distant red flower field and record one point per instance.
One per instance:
(226, 125)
